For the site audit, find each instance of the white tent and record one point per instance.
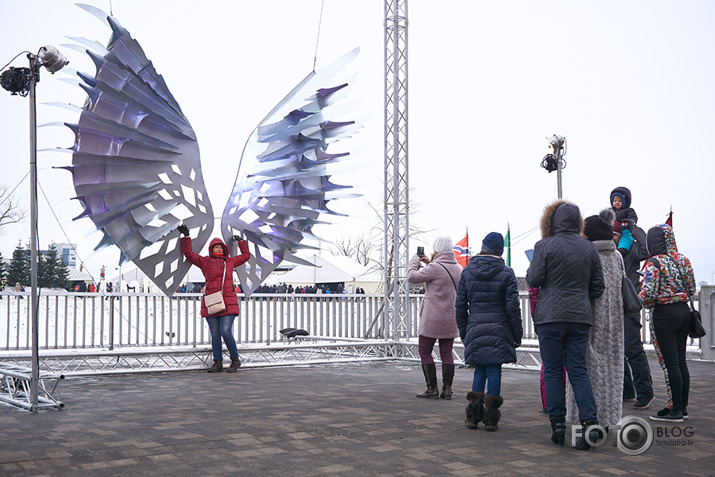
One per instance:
(332, 269)
(75, 275)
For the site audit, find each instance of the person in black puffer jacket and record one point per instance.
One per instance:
(489, 322)
(567, 268)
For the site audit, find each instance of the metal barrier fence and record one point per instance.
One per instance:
(113, 321)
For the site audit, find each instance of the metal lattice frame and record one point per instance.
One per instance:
(16, 382)
(298, 352)
(396, 311)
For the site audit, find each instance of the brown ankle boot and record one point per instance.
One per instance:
(235, 364)
(216, 368)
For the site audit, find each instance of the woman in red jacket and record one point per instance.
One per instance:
(217, 266)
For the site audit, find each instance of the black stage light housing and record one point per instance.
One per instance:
(16, 80)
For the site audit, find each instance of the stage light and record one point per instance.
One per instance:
(556, 142)
(52, 59)
(555, 162)
(16, 80)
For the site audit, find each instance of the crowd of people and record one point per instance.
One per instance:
(593, 358)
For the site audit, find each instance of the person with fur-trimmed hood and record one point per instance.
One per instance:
(567, 268)
(489, 322)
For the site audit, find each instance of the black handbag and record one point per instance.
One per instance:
(696, 329)
(696, 324)
(631, 303)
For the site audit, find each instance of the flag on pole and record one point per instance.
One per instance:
(507, 245)
(669, 220)
(461, 251)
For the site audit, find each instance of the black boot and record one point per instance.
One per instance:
(558, 430)
(447, 378)
(235, 364)
(594, 434)
(492, 412)
(430, 372)
(475, 409)
(217, 367)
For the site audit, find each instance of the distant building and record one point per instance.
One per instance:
(66, 251)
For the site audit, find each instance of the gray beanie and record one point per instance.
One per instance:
(443, 243)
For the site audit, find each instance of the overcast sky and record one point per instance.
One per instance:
(628, 83)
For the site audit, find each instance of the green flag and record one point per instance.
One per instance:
(507, 245)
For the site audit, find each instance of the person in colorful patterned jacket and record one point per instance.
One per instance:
(668, 283)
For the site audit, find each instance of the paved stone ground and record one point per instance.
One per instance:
(360, 419)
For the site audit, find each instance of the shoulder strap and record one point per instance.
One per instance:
(223, 278)
(450, 275)
(682, 279)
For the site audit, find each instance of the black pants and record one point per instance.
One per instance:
(635, 362)
(671, 323)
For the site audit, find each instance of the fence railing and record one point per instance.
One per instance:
(110, 321)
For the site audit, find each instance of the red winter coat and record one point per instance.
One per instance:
(212, 267)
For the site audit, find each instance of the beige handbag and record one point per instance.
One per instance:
(214, 302)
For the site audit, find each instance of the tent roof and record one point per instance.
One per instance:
(75, 275)
(330, 269)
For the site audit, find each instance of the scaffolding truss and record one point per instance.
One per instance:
(15, 382)
(396, 311)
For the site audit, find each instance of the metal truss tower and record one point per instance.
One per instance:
(396, 214)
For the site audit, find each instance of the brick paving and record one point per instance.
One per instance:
(343, 420)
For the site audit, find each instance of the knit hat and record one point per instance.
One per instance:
(599, 227)
(443, 243)
(493, 244)
(621, 196)
(617, 229)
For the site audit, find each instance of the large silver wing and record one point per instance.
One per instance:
(283, 184)
(135, 162)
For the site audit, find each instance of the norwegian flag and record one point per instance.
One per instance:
(461, 251)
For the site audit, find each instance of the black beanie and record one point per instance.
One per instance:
(599, 227)
(493, 244)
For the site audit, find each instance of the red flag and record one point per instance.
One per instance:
(461, 251)
(669, 220)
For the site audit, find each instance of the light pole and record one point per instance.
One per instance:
(555, 161)
(23, 81)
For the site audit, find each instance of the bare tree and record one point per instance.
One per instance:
(360, 248)
(10, 213)
(366, 249)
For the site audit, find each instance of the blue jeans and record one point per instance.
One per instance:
(487, 374)
(565, 344)
(220, 326)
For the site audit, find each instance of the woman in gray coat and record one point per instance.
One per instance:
(437, 312)
(604, 353)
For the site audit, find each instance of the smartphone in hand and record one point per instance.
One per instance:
(420, 252)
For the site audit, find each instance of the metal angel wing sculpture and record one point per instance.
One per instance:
(137, 172)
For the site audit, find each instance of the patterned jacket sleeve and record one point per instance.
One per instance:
(649, 286)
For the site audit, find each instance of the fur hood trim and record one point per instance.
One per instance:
(549, 214)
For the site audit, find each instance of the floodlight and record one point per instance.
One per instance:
(52, 59)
